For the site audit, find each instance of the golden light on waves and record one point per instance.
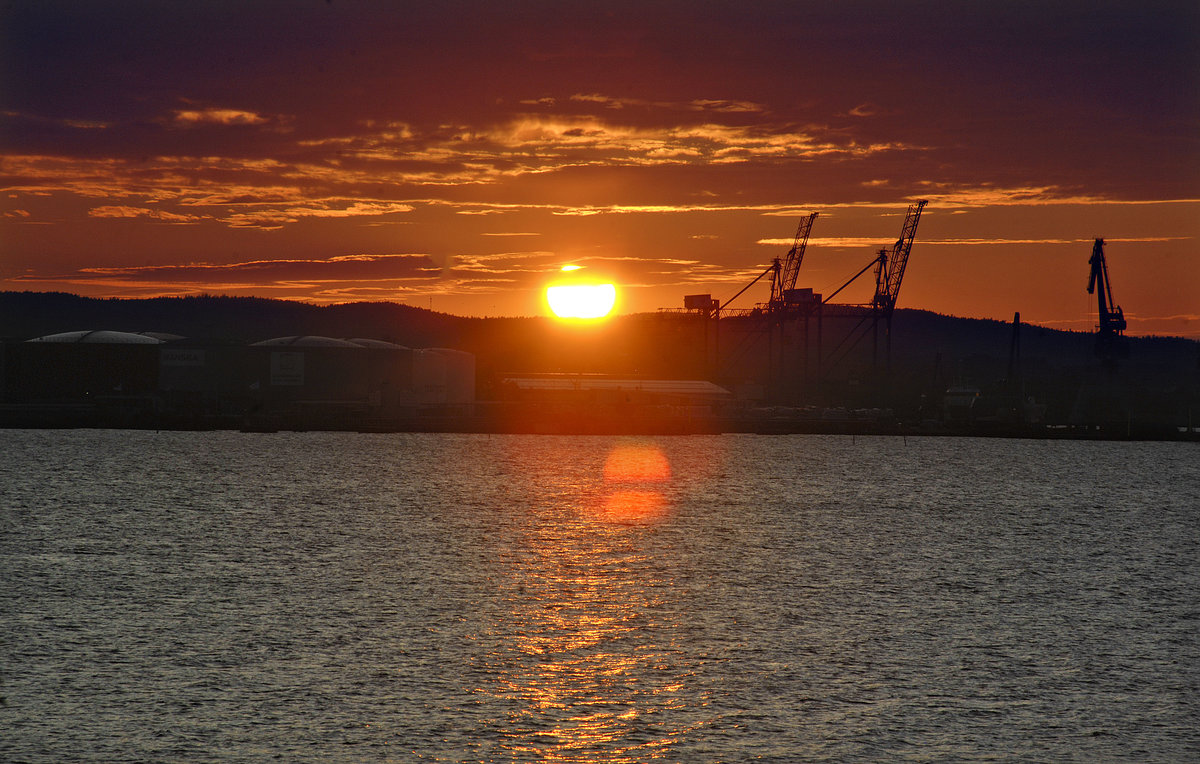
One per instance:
(636, 463)
(635, 472)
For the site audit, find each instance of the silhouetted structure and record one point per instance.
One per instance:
(1016, 378)
(109, 378)
(784, 274)
(1110, 341)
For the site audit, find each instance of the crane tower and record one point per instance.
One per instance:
(1112, 319)
(889, 271)
(783, 276)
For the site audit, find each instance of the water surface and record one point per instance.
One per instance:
(432, 597)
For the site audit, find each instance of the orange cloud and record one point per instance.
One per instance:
(211, 116)
(304, 277)
(122, 211)
(699, 104)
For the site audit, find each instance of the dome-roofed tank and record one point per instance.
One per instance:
(381, 344)
(442, 376)
(306, 341)
(105, 337)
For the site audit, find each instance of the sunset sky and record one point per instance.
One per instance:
(456, 155)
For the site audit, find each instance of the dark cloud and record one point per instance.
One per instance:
(348, 268)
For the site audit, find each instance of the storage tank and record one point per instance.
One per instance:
(460, 375)
(444, 377)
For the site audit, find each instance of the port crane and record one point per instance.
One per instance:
(1109, 339)
(889, 273)
(785, 302)
(788, 304)
(889, 266)
(783, 274)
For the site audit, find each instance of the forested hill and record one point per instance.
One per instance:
(922, 340)
(24, 315)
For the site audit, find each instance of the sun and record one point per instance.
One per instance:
(581, 300)
(578, 298)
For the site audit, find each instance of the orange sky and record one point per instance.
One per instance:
(457, 156)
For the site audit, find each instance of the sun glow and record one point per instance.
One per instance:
(580, 298)
(635, 473)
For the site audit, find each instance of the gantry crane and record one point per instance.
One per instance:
(1109, 332)
(889, 273)
(889, 267)
(784, 303)
(783, 274)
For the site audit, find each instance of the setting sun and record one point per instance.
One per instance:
(580, 299)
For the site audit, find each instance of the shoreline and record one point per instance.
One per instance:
(535, 420)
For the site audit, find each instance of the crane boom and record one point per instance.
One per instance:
(1112, 318)
(784, 279)
(892, 264)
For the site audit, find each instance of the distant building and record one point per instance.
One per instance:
(149, 379)
(600, 404)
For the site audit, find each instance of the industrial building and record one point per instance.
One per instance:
(107, 378)
(600, 404)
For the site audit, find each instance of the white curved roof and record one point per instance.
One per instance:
(368, 343)
(102, 337)
(306, 341)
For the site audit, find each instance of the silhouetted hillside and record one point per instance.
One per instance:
(929, 351)
(24, 315)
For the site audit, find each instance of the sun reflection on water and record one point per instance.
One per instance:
(589, 669)
(634, 474)
(582, 679)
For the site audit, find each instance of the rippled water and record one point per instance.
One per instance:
(353, 597)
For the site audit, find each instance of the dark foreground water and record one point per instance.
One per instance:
(348, 597)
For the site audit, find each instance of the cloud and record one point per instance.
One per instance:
(269, 217)
(718, 105)
(508, 263)
(39, 121)
(538, 144)
(358, 271)
(853, 241)
(340, 176)
(615, 144)
(832, 241)
(122, 211)
(949, 195)
(506, 270)
(214, 116)
(724, 106)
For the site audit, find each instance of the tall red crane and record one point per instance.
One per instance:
(783, 276)
(1112, 318)
(889, 269)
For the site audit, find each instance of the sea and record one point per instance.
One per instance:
(353, 597)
